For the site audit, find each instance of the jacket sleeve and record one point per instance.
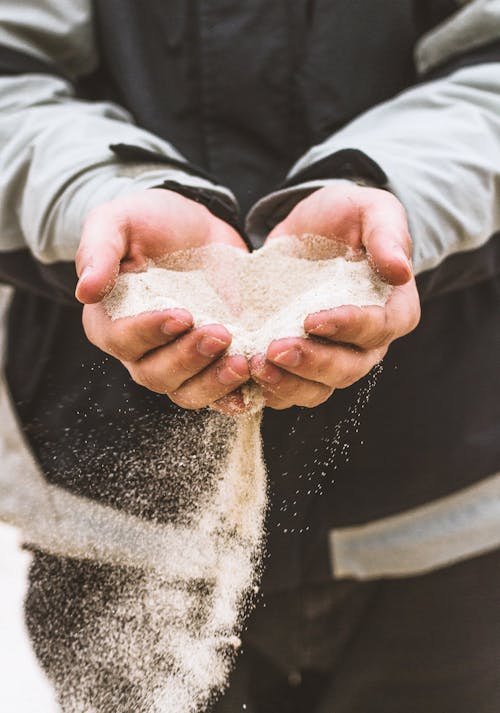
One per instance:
(436, 146)
(56, 160)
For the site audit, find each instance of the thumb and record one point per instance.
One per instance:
(386, 239)
(102, 247)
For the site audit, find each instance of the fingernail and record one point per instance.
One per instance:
(290, 357)
(211, 346)
(404, 258)
(172, 326)
(85, 273)
(228, 376)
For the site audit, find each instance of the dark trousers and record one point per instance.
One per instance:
(427, 644)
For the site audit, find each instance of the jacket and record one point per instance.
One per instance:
(101, 99)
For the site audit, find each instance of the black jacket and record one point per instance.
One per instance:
(243, 89)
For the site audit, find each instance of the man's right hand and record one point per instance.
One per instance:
(161, 350)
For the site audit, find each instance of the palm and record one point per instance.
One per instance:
(127, 233)
(160, 222)
(362, 219)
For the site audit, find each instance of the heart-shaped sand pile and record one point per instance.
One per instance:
(257, 296)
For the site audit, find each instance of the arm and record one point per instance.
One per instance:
(60, 181)
(56, 163)
(436, 147)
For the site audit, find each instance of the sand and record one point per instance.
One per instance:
(172, 635)
(260, 296)
(257, 296)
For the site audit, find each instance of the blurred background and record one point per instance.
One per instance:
(23, 687)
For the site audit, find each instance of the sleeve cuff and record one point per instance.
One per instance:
(108, 182)
(311, 173)
(273, 208)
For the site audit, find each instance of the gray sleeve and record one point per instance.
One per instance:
(438, 143)
(55, 160)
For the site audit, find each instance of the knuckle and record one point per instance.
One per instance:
(148, 339)
(186, 359)
(184, 364)
(353, 369)
(121, 355)
(349, 379)
(384, 337)
(186, 400)
(107, 345)
(116, 344)
(281, 391)
(277, 405)
(142, 376)
(313, 395)
(102, 341)
(133, 342)
(113, 346)
(274, 402)
(176, 399)
(385, 333)
(320, 398)
(367, 362)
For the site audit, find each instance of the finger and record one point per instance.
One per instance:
(212, 384)
(369, 327)
(167, 368)
(298, 392)
(233, 404)
(102, 246)
(338, 366)
(365, 327)
(355, 215)
(130, 338)
(386, 237)
(282, 389)
(329, 212)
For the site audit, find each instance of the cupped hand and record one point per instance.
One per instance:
(161, 350)
(305, 372)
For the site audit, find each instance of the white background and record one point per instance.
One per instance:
(23, 687)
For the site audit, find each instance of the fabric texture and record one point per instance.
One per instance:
(55, 138)
(428, 644)
(311, 93)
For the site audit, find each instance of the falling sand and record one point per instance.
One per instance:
(172, 632)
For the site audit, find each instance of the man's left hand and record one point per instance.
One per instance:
(305, 372)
